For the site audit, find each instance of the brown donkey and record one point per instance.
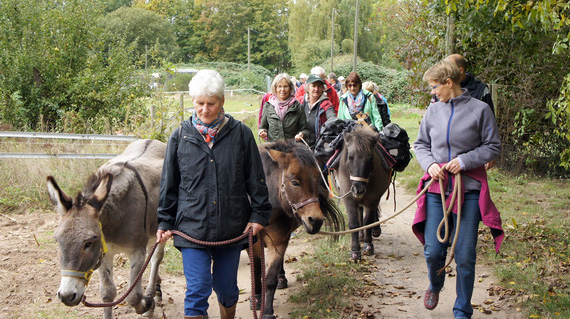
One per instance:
(297, 197)
(115, 213)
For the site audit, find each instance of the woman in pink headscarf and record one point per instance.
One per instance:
(283, 117)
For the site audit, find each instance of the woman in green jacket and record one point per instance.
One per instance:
(357, 100)
(283, 117)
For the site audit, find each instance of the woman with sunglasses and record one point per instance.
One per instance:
(357, 100)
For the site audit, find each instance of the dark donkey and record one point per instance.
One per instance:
(362, 176)
(115, 210)
(297, 198)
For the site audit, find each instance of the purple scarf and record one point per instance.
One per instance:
(281, 107)
(208, 130)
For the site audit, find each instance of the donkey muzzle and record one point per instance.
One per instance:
(71, 291)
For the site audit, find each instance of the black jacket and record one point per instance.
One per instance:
(211, 194)
(382, 109)
(478, 89)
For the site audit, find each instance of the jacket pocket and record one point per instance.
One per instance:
(234, 216)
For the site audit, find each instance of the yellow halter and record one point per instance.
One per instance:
(87, 274)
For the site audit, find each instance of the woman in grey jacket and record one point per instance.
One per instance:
(212, 189)
(461, 131)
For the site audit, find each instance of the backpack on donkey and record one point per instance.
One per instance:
(395, 147)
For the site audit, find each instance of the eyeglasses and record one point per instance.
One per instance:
(435, 86)
(352, 85)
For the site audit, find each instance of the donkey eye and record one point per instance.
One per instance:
(295, 183)
(87, 245)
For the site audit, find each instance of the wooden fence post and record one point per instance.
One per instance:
(182, 105)
(152, 114)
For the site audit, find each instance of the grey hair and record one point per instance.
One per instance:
(319, 71)
(278, 79)
(442, 71)
(207, 83)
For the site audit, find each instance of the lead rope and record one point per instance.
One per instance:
(210, 244)
(323, 176)
(456, 195)
(415, 199)
(137, 279)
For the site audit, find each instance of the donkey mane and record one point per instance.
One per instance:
(301, 152)
(363, 138)
(114, 167)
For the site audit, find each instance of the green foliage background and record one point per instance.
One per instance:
(85, 65)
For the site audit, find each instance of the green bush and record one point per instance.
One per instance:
(179, 82)
(392, 83)
(236, 75)
(347, 46)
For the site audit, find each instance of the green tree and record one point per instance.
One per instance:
(112, 5)
(55, 67)
(311, 31)
(529, 75)
(143, 27)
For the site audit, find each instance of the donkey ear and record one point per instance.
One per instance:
(60, 200)
(101, 193)
(278, 157)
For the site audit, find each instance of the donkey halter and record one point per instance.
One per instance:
(295, 206)
(87, 274)
(359, 179)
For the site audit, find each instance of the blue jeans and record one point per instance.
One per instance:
(202, 276)
(465, 250)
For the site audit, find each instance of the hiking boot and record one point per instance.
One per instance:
(227, 313)
(431, 298)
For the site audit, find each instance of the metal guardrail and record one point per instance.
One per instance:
(98, 137)
(58, 156)
(95, 137)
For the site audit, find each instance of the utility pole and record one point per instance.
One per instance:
(332, 38)
(450, 34)
(355, 38)
(248, 52)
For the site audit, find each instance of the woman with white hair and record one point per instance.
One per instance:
(283, 116)
(212, 189)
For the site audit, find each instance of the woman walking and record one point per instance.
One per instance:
(212, 189)
(461, 132)
(282, 117)
(357, 100)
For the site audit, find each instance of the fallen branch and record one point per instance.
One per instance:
(10, 218)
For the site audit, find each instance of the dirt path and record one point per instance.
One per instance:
(29, 277)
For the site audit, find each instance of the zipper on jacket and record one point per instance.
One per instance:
(449, 185)
(448, 128)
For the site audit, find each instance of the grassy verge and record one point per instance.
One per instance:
(533, 266)
(328, 280)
